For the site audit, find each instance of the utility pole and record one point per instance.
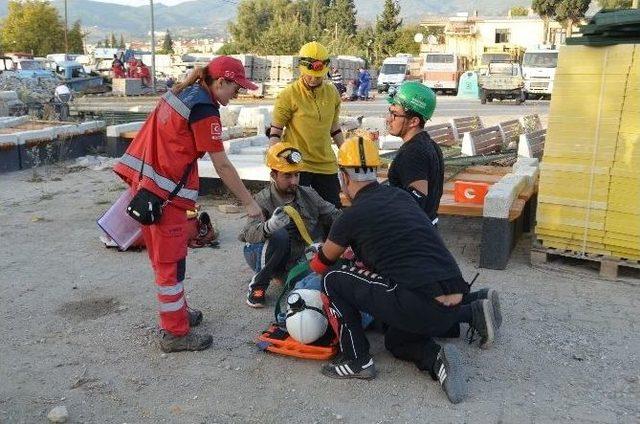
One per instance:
(66, 26)
(153, 51)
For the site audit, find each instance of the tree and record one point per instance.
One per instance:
(571, 11)
(167, 44)
(75, 38)
(615, 4)
(113, 43)
(32, 26)
(405, 42)
(99, 44)
(386, 31)
(546, 9)
(122, 45)
(341, 16)
(518, 11)
(107, 43)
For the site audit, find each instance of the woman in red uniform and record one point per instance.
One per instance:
(183, 127)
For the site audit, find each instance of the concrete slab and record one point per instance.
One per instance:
(249, 167)
(499, 199)
(9, 153)
(390, 142)
(116, 130)
(12, 121)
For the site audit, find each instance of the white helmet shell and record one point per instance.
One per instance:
(306, 323)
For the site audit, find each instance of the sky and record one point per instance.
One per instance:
(143, 2)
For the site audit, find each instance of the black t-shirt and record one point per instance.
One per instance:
(420, 159)
(391, 235)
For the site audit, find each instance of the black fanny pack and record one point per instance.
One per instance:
(146, 206)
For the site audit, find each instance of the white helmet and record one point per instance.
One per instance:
(306, 321)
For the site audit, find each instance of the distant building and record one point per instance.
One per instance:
(471, 36)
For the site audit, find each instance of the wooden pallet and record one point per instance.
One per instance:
(609, 265)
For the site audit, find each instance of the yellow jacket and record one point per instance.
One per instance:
(308, 116)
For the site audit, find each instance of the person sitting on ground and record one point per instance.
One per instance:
(410, 282)
(272, 247)
(336, 79)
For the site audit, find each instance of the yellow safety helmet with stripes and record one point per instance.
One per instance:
(359, 152)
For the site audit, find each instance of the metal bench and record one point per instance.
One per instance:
(464, 125)
(484, 141)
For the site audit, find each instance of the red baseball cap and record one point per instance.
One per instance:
(230, 69)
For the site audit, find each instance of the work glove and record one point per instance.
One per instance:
(311, 250)
(279, 219)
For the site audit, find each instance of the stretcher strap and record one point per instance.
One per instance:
(297, 219)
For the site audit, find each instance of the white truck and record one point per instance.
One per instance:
(395, 70)
(539, 69)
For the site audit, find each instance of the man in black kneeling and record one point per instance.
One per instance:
(410, 282)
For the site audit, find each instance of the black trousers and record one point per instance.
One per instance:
(326, 185)
(413, 317)
(270, 260)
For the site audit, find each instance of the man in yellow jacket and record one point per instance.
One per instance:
(306, 115)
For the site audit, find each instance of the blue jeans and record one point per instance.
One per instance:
(268, 259)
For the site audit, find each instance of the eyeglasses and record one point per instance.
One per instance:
(394, 115)
(314, 64)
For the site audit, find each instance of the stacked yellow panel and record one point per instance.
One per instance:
(589, 192)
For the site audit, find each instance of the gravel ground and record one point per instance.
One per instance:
(77, 324)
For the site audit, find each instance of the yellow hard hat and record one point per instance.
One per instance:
(283, 157)
(358, 152)
(314, 59)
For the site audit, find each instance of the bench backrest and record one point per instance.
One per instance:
(511, 131)
(466, 124)
(531, 144)
(531, 123)
(483, 141)
(442, 134)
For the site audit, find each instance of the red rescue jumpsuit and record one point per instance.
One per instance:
(179, 131)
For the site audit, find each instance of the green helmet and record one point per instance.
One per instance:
(416, 97)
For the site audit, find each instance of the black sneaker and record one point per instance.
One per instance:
(191, 342)
(256, 298)
(483, 322)
(195, 317)
(448, 371)
(350, 369)
(493, 297)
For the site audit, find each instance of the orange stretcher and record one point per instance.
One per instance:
(278, 341)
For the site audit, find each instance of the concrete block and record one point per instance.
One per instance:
(468, 146)
(253, 150)
(34, 135)
(390, 142)
(236, 145)
(530, 173)
(229, 133)
(12, 121)
(259, 140)
(229, 116)
(100, 124)
(87, 127)
(524, 162)
(127, 86)
(517, 180)
(499, 236)
(499, 199)
(116, 130)
(374, 124)
(254, 117)
(349, 123)
(65, 130)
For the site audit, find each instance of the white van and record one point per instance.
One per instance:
(539, 70)
(393, 72)
(441, 71)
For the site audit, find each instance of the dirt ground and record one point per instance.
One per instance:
(77, 324)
